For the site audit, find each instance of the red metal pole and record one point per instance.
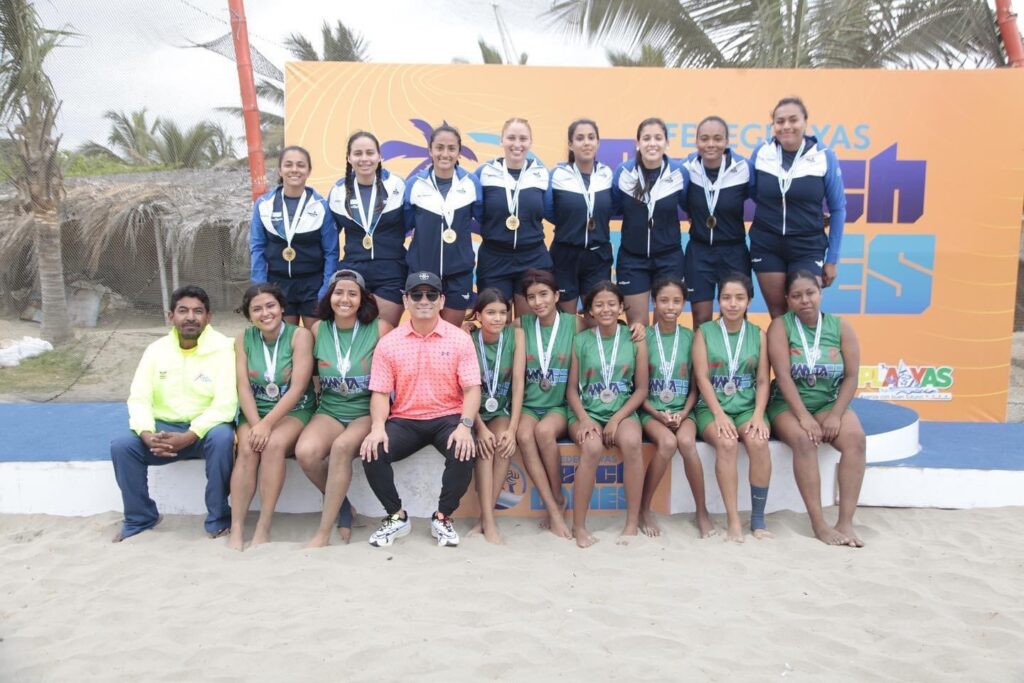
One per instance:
(250, 110)
(1007, 22)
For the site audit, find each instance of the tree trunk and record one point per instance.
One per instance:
(50, 264)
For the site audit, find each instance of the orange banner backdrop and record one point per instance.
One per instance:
(933, 164)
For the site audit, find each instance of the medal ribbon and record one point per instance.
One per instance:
(712, 190)
(291, 227)
(734, 358)
(366, 221)
(608, 368)
(513, 199)
(491, 379)
(447, 212)
(647, 194)
(270, 374)
(344, 364)
(811, 354)
(588, 196)
(786, 177)
(666, 367)
(544, 355)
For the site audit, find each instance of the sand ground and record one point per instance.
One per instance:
(934, 596)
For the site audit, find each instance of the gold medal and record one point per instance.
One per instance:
(711, 222)
(288, 254)
(512, 222)
(368, 242)
(449, 236)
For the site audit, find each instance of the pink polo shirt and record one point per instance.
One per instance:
(427, 373)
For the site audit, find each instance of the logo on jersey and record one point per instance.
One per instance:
(902, 382)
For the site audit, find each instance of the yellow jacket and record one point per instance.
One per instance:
(194, 385)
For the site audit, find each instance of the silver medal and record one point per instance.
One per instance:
(343, 388)
(811, 380)
(730, 388)
(273, 391)
(545, 384)
(491, 404)
(666, 396)
(607, 396)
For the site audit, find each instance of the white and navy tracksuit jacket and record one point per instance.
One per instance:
(566, 207)
(388, 224)
(735, 182)
(669, 195)
(428, 213)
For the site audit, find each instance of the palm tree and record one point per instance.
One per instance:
(135, 141)
(341, 44)
(649, 56)
(794, 33)
(491, 54)
(29, 104)
(131, 141)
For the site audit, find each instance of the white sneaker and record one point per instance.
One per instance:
(441, 528)
(391, 527)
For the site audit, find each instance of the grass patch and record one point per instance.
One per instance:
(45, 374)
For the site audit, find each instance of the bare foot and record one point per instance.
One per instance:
(546, 523)
(762, 533)
(649, 524)
(491, 535)
(584, 539)
(705, 526)
(852, 539)
(345, 533)
(319, 540)
(830, 536)
(556, 524)
(477, 529)
(236, 540)
(735, 533)
(628, 531)
(260, 537)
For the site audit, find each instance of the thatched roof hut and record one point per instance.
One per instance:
(118, 230)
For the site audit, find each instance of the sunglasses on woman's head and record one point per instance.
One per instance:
(431, 294)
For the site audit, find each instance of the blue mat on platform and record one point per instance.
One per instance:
(967, 446)
(41, 432)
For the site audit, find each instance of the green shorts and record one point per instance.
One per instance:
(776, 408)
(304, 416)
(539, 413)
(646, 417)
(704, 417)
(631, 416)
(344, 422)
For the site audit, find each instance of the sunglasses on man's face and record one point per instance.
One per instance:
(418, 294)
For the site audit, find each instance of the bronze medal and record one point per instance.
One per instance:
(590, 224)
(512, 222)
(711, 222)
(288, 254)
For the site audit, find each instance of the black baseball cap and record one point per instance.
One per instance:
(423, 277)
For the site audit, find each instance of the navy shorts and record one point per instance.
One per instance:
(300, 293)
(458, 290)
(577, 269)
(774, 253)
(707, 264)
(504, 268)
(635, 274)
(384, 277)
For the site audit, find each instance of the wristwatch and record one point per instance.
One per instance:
(466, 422)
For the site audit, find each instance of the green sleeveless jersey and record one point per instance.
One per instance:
(678, 381)
(349, 398)
(591, 382)
(252, 342)
(718, 366)
(558, 369)
(827, 372)
(503, 389)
